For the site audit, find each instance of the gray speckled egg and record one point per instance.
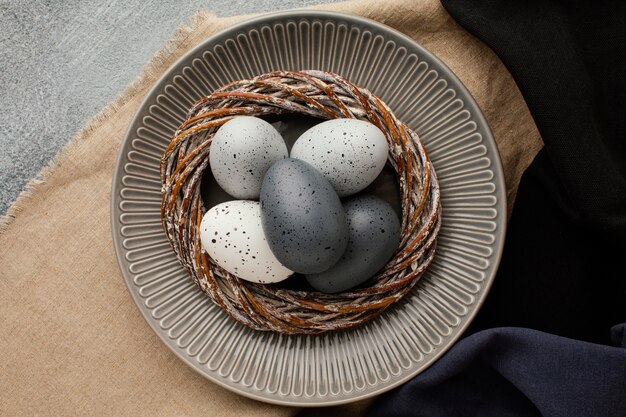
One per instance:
(349, 152)
(302, 216)
(242, 151)
(374, 236)
(232, 235)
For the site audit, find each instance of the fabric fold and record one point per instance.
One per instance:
(515, 372)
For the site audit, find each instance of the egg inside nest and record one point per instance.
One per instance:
(291, 127)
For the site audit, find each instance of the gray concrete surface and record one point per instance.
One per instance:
(62, 61)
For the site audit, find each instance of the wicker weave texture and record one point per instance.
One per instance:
(269, 307)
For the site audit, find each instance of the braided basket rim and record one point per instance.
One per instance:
(323, 95)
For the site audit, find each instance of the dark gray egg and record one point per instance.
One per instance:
(374, 235)
(302, 216)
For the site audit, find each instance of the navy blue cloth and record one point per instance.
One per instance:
(516, 372)
(550, 339)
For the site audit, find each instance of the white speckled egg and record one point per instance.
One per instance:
(242, 151)
(349, 152)
(232, 234)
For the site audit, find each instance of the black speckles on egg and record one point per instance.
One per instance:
(232, 235)
(242, 151)
(349, 152)
(374, 235)
(302, 217)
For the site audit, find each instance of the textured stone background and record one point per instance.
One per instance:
(62, 61)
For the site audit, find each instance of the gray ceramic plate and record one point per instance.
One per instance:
(338, 367)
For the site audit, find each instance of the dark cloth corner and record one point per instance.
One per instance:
(516, 372)
(555, 276)
(541, 344)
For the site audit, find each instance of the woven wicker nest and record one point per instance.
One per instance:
(270, 307)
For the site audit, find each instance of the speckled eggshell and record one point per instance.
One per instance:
(242, 151)
(232, 234)
(349, 152)
(374, 235)
(302, 216)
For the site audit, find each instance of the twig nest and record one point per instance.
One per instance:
(269, 307)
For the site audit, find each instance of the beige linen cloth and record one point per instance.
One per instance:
(72, 341)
